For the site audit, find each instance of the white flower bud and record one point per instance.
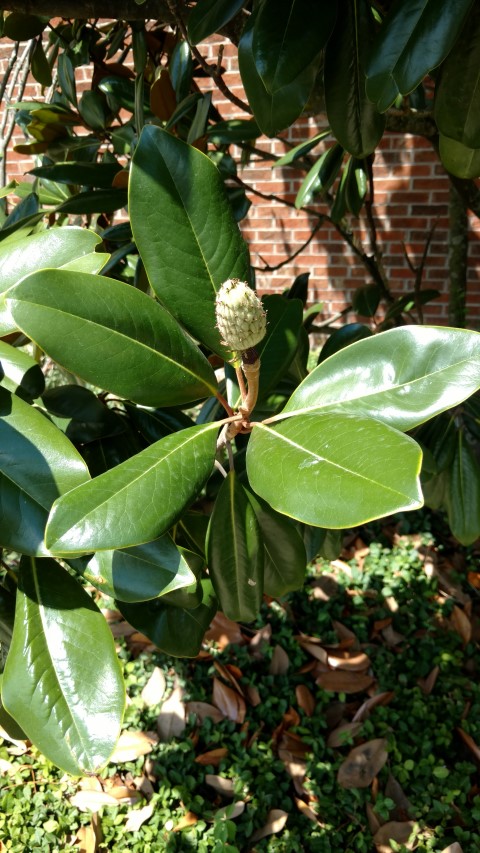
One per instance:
(241, 319)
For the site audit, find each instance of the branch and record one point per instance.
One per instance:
(268, 268)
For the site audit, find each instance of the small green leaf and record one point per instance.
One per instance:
(174, 630)
(21, 373)
(300, 150)
(322, 174)
(94, 201)
(163, 480)
(62, 681)
(343, 337)
(39, 65)
(285, 558)
(209, 16)
(113, 336)
(235, 553)
(366, 300)
(66, 77)
(88, 174)
(462, 495)
(334, 470)
(461, 161)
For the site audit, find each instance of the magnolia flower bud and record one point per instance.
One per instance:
(241, 319)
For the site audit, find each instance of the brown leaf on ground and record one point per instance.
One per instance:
(152, 693)
(260, 641)
(305, 699)
(92, 801)
(86, 841)
(324, 588)
(399, 832)
(131, 745)
(220, 784)
(212, 757)
(137, 817)
(280, 662)
(90, 783)
(344, 682)
(474, 580)
(204, 711)
(230, 812)
(427, 684)
(313, 646)
(230, 703)
(373, 819)
(469, 741)
(362, 764)
(356, 662)
(344, 633)
(342, 733)
(123, 794)
(392, 638)
(276, 820)
(294, 744)
(253, 696)
(305, 809)
(453, 848)
(460, 623)
(296, 768)
(367, 707)
(230, 674)
(171, 719)
(189, 819)
(223, 631)
(403, 806)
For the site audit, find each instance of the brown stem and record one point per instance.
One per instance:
(457, 258)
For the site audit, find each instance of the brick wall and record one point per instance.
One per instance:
(411, 196)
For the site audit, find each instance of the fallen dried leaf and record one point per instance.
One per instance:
(358, 662)
(229, 702)
(394, 790)
(296, 768)
(132, 745)
(342, 733)
(222, 786)
(137, 817)
(453, 848)
(86, 841)
(305, 809)
(399, 832)
(213, 756)
(344, 633)
(305, 699)
(8, 768)
(92, 801)
(276, 820)
(344, 682)
(461, 624)
(469, 741)
(280, 662)
(392, 637)
(152, 693)
(260, 641)
(362, 764)
(189, 819)
(204, 711)
(372, 817)
(315, 650)
(223, 631)
(427, 684)
(90, 783)
(171, 719)
(253, 696)
(367, 707)
(124, 794)
(231, 674)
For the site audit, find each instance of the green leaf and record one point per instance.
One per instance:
(94, 201)
(414, 38)
(39, 65)
(7, 722)
(92, 107)
(163, 480)
(354, 121)
(62, 682)
(174, 630)
(113, 336)
(233, 130)
(209, 16)
(401, 377)
(141, 573)
(285, 558)
(300, 150)
(92, 263)
(21, 373)
(84, 174)
(457, 93)
(356, 186)
(20, 27)
(462, 494)
(461, 161)
(154, 424)
(235, 553)
(66, 77)
(334, 470)
(181, 69)
(366, 300)
(343, 337)
(185, 230)
(278, 76)
(37, 464)
(322, 174)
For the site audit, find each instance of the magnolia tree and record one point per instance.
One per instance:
(185, 460)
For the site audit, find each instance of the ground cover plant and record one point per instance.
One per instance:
(251, 746)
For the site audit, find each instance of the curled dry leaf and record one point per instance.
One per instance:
(344, 682)
(152, 693)
(229, 701)
(453, 848)
(276, 820)
(372, 817)
(352, 662)
(223, 631)
(403, 806)
(305, 809)
(124, 794)
(427, 684)
(253, 696)
(362, 764)
(86, 841)
(204, 711)
(296, 768)
(189, 819)
(305, 699)
(171, 719)
(469, 741)
(400, 832)
(344, 633)
(220, 784)
(461, 624)
(342, 733)
(280, 662)
(313, 649)
(137, 817)
(232, 674)
(131, 745)
(213, 756)
(92, 801)
(367, 707)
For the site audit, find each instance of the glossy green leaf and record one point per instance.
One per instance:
(141, 573)
(233, 130)
(235, 553)
(354, 121)
(462, 494)
(285, 558)
(39, 65)
(21, 373)
(356, 186)
(334, 470)
(82, 415)
(209, 16)
(21, 27)
(113, 336)
(37, 464)
(62, 681)
(181, 69)
(401, 377)
(7, 722)
(92, 106)
(300, 150)
(278, 100)
(414, 38)
(162, 480)
(343, 337)
(92, 263)
(461, 161)
(174, 630)
(154, 424)
(185, 230)
(278, 348)
(321, 176)
(339, 206)
(88, 174)
(66, 77)
(366, 300)
(457, 93)
(94, 201)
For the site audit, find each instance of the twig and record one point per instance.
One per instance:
(268, 268)
(8, 122)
